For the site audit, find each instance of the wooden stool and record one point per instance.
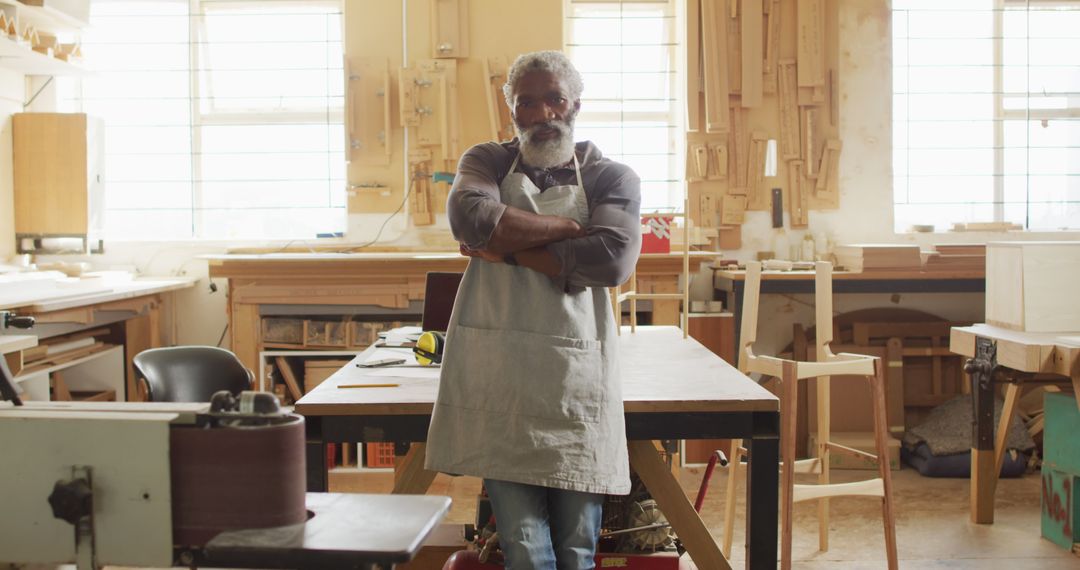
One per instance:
(789, 372)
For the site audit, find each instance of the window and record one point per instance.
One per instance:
(627, 53)
(223, 119)
(986, 102)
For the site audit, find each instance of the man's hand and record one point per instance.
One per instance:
(481, 253)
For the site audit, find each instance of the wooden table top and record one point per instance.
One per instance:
(662, 372)
(347, 530)
(808, 275)
(1054, 353)
(57, 299)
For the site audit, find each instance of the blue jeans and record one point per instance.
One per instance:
(541, 528)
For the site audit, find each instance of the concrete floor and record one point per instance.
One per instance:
(933, 530)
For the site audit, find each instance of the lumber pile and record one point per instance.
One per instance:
(956, 257)
(878, 257)
(60, 350)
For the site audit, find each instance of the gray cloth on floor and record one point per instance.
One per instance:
(948, 429)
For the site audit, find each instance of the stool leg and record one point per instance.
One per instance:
(734, 460)
(789, 405)
(824, 436)
(881, 430)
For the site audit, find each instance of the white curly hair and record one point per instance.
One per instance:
(554, 62)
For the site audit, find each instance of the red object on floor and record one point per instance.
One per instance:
(468, 560)
(331, 455)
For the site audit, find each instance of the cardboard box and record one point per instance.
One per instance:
(863, 441)
(315, 371)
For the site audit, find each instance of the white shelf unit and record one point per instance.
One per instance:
(102, 370)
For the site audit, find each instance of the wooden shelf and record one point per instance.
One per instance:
(20, 57)
(45, 18)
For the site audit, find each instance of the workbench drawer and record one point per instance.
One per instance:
(282, 331)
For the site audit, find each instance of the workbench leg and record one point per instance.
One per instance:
(1001, 439)
(983, 478)
(672, 500)
(762, 501)
(244, 325)
(410, 477)
(315, 454)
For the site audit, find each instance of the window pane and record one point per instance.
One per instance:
(260, 137)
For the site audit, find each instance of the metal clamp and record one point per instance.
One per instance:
(984, 371)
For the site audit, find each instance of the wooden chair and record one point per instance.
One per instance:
(789, 372)
(618, 295)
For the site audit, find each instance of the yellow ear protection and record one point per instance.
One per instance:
(429, 348)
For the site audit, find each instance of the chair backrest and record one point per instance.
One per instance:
(190, 373)
(440, 291)
(751, 299)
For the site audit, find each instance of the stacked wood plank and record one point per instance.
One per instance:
(956, 257)
(60, 350)
(878, 257)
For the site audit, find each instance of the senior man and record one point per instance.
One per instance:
(529, 395)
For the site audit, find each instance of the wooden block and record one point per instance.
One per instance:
(826, 190)
(289, 378)
(772, 45)
(798, 201)
(810, 43)
(449, 28)
(715, 58)
(708, 206)
(790, 147)
(738, 149)
(499, 121)
(752, 27)
(812, 139)
(694, 71)
(718, 159)
(730, 238)
(734, 42)
(757, 194)
(439, 114)
(832, 94)
(701, 160)
(368, 112)
(409, 82)
(60, 388)
(1031, 286)
(420, 207)
(733, 210)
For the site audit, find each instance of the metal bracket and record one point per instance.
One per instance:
(984, 371)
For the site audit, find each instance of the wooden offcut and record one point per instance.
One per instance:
(798, 201)
(772, 45)
(714, 32)
(499, 121)
(790, 147)
(810, 43)
(449, 28)
(757, 194)
(367, 115)
(751, 29)
(694, 71)
(739, 150)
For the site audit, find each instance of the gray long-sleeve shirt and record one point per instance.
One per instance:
(605, 257)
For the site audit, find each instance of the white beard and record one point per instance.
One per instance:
(548, 153)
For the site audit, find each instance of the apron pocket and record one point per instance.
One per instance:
(530, 374)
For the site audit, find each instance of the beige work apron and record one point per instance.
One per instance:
(529, 389)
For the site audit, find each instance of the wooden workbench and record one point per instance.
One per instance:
(390, 280)
(728, 284)
(1010, 352)
(139, 301)
(673, 388)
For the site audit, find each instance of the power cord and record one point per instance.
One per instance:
(405, 200)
